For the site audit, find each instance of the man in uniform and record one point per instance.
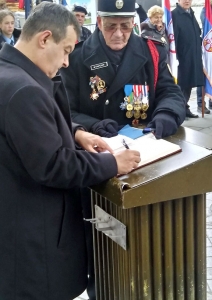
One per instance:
(42, 241)
(80, 12)
(116, 79)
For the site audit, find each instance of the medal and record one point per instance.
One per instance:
(137, 114)
(129, 107)
(136, 101)
(98, 86)
(94, 95)
(137, 107)
(129, 114)
(143, 116)
(144, 107)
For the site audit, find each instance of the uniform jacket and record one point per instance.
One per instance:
(188, 48)
(16, 34)
(135, 68)
(42, 246)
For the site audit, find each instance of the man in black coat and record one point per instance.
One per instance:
(114, 82)
(80, 12)
(42, 242)
(188, 49)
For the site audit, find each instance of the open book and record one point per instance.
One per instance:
(149, 147)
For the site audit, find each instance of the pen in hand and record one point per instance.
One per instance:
(147, 130)
(125, 144)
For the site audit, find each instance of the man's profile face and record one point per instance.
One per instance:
(80, 17)
(57, 55)
(116, 31)
(185, 4)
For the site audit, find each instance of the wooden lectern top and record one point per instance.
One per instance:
(181, 175)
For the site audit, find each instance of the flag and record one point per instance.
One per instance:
(136, 27)
(64, 2)
(173, 62)
(27, 8)
(207, 49)
(21, 4)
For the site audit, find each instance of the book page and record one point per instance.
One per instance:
(152, 149)
(116, 142)
(149, 147)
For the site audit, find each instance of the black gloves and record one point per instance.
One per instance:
(105, 128)
(164, 123)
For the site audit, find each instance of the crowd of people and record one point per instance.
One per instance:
(63, 88)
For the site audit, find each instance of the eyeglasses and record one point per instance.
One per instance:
(125, 28)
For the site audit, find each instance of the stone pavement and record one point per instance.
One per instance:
(204, 125)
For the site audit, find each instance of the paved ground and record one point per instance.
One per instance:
(204, 125)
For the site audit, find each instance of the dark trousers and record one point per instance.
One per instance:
(186, 93)
(87, 214)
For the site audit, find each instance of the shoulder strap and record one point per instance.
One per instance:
(155, 58)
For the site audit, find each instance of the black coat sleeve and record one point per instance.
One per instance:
(168, 96)
(46, 149)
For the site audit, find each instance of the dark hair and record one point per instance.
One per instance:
(49, 16)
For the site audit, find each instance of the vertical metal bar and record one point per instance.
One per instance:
(145, 250)
(139, 254)
(189, 248)
(99, 254)
(179, 249)
(115, 260)
(157, 237)
(120, 259)
(96, 269)
(132, 252)
(168, 251)
(126, 257)
(109, 260)
(104, 276)
(201, 247)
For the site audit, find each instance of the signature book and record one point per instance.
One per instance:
(151, 149)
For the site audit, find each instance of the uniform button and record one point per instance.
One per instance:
(107, 102)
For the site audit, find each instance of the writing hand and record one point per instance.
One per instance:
(127, 160)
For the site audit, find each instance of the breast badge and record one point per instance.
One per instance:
(98, 87)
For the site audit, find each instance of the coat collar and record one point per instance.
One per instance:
(134, 58)
(14, 56)
(53, 86)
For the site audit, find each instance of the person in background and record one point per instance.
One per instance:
(80, 12)
(188, 42)
(154, 28)
(3, 4)
(141, 12)
(199, 88)
(43, 163)
(8, 34)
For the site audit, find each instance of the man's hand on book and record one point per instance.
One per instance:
(165, 125)
(127, 160)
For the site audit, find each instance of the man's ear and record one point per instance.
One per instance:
(99, 22)
(44, 37)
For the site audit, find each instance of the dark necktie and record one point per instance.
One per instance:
(12, 43)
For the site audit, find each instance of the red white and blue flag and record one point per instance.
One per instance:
(173, 62)
(207, 49)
